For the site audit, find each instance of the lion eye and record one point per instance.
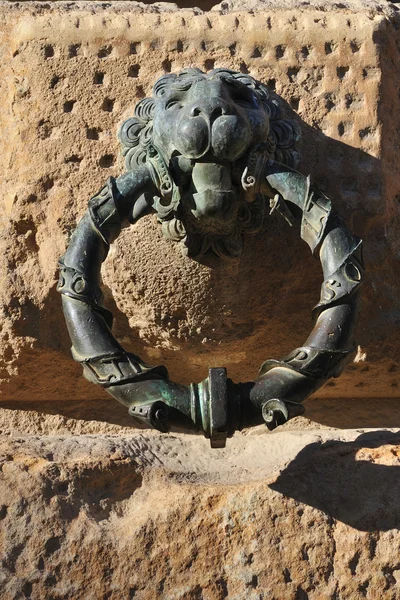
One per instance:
(241, 95)
(246, 99)
(245, 102)
(173, 104)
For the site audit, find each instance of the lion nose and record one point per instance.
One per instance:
(212, 114)
(195, 111)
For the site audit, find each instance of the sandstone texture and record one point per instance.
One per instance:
(91, 509)
(71, 73)
(292, 514)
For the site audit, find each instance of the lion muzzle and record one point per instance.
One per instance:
(227, 136)
(215, 205)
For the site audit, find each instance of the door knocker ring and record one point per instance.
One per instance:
(211, 154)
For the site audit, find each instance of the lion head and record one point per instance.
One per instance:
(199, 133)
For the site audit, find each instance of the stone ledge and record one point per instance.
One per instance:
(108, 417)
(289, 515)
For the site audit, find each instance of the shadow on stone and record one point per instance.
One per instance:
(354, 413)
(97, 488)
(269, 315)
(104, 411)
(357, 482)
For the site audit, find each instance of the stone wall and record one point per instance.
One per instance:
(72, 73)
(90, 515)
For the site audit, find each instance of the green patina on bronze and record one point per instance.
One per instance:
(211, 155)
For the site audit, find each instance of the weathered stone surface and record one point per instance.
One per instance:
(91, 510)
(106, 416)
(72, 73)
(285, 515)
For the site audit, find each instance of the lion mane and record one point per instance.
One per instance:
(136, 139)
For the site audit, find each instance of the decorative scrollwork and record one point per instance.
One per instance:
(118, 368)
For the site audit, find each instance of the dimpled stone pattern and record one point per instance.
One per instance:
(91, 509)
(71, 75)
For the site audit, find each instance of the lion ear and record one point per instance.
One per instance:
(247, 80)
(135, 135)
(163, 82)
(145, 109)
(190, 72)
(283, 135)
(129, 132)
(261, 90)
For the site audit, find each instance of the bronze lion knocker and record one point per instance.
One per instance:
(211, 155)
